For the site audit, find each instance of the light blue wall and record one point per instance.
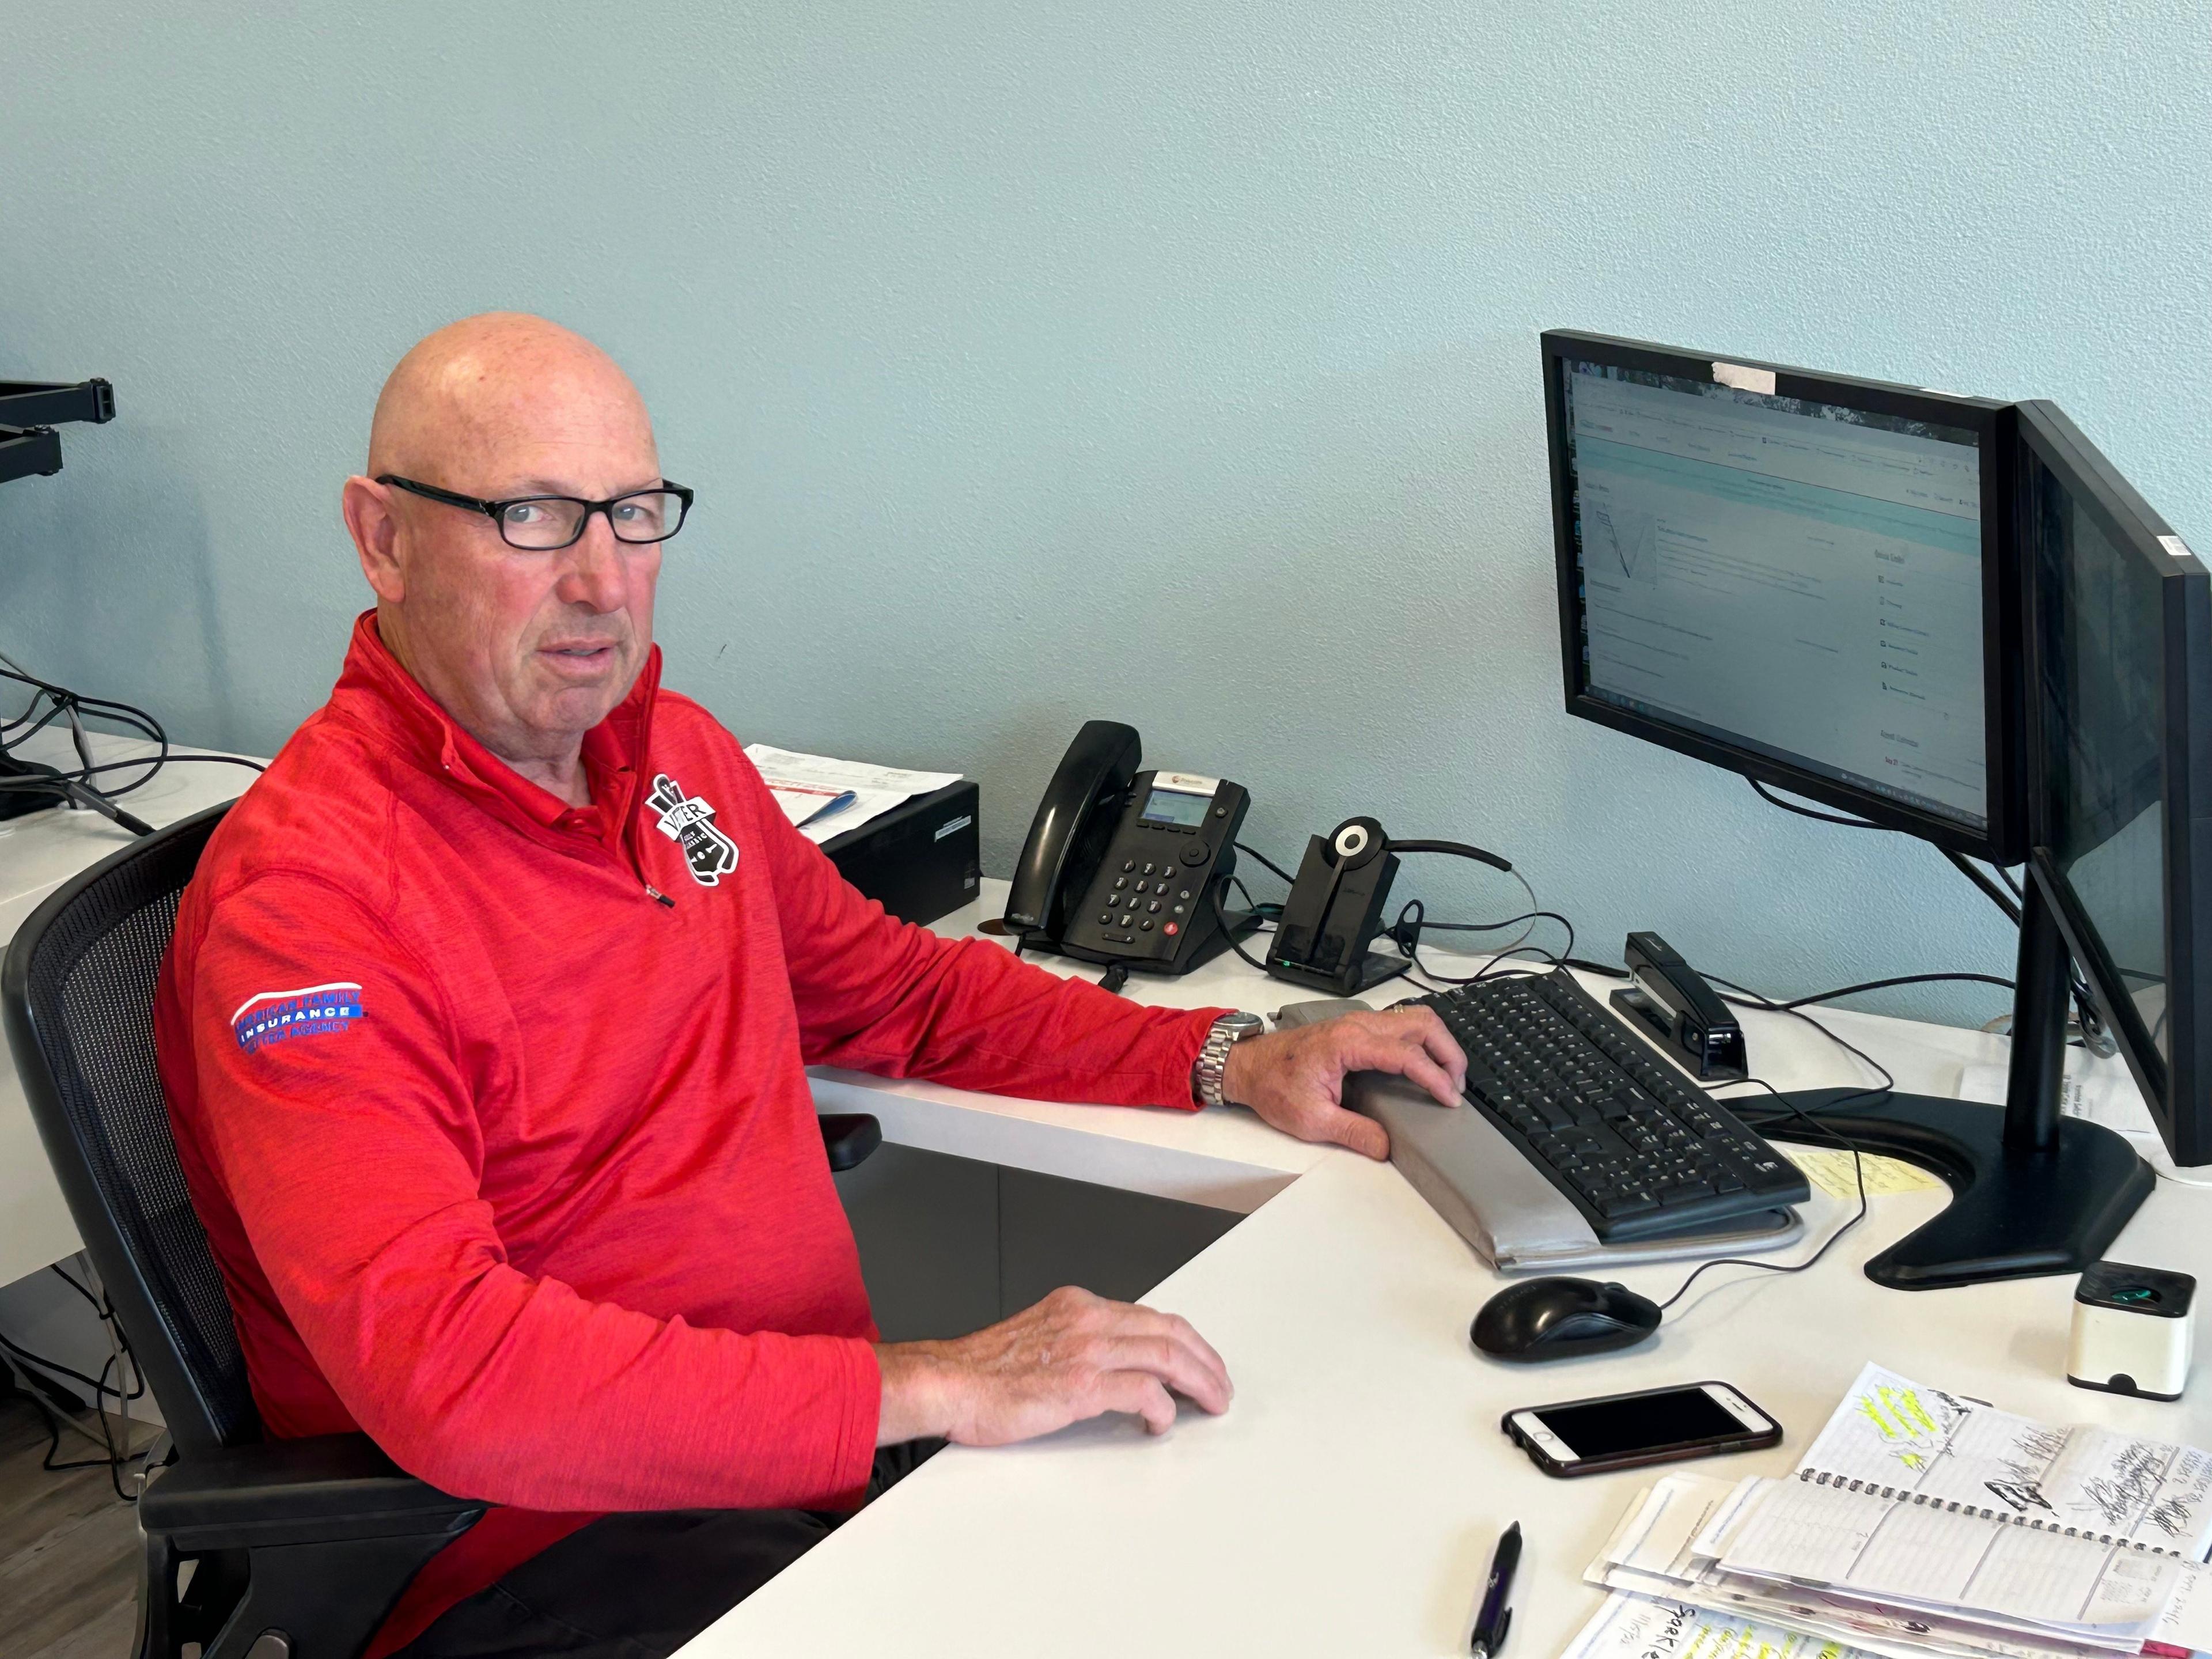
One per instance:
(1173, 362)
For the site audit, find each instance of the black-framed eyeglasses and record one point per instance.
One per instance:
(546, 523)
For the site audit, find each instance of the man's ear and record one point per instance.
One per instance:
(372, 523)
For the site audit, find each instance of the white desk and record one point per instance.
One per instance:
(1348, 1501)
(37, 852)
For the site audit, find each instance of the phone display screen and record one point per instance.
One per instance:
(1174, 806)
(1608, 1428)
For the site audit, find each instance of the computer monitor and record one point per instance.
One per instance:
(1801, 578)
(1815, 581)
(2120, 726)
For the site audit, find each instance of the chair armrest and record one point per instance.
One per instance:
(849, 1137)
(326, 1489)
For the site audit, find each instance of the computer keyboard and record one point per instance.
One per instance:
(1641, 1152)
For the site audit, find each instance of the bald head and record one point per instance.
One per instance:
(475, 391)
(528, 649)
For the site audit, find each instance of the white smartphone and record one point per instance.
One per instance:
(1627, 1431)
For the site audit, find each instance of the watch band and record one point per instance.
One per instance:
(1209, 1070)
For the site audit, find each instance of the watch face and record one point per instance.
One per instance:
(1242, 1025)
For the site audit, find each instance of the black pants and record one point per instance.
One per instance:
(638, 1586)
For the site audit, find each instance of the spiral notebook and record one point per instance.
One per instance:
(1922, 1497)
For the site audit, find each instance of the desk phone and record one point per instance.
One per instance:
(1124, 866)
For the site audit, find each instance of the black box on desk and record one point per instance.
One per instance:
(921, 859)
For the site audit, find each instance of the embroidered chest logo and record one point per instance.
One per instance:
(690, 822)
(311, 1011)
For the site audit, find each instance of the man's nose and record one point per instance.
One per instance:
(597, 571)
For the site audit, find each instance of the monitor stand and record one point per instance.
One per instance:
(2032, 1192)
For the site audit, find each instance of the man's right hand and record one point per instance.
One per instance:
(1072, 1356)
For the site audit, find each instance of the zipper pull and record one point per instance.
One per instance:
(658, 897)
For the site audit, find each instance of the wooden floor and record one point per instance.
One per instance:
(68, 1547)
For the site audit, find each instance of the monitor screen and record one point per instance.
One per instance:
(2100, 613)
(1796, 580)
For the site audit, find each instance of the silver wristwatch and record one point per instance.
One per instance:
(1212, 1062)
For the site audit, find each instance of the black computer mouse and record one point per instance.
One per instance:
(1559, 1318)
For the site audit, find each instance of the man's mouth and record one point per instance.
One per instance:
(580, 654)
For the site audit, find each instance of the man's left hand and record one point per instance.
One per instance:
(1294, 1079)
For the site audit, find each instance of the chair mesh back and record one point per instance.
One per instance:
(94, 953)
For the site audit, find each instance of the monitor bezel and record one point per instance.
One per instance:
(2004, 838)
(2049, 439)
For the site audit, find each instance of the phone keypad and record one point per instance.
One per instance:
(1141, 899)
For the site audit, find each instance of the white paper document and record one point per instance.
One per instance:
(1891, 1434)
(1631, 1627)
(868, 791)
(1892, 1550)
(1918, 1502)
(2094, 1090)
(1666, 1546)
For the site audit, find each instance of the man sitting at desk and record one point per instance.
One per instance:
(484, 1030)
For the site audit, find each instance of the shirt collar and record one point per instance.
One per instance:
(376, 686)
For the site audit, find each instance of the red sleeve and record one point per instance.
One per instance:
(351, 1149)
(882, 995)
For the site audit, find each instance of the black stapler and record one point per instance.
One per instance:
(1671, 999)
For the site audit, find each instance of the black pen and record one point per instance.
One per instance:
(1490, 1624)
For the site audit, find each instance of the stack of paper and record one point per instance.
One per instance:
(1630, 1627)
(1921, 1524)
(824, 797)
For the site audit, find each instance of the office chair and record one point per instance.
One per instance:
(298, 1548)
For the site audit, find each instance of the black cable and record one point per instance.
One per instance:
(1790, 1108)
(1605, 968)
(98, 1385)
(1772, 800)
(1482, 926)
(55, 1423)
(1503, 965)
(1552, 957)
(69, 788)
(1221, 916)
(118, 1456)
(56, 1270)
(101, 1306)
(2008, 898)
(1266, 862)
(1756, 999)
(74, 788)
(106, 1312)
(81, 773)
(1883, 985)
(1995, 894)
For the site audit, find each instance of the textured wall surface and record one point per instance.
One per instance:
(1174, 363)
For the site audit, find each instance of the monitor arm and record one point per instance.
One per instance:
(29, 412)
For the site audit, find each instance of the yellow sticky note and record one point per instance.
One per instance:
(1829, 1167)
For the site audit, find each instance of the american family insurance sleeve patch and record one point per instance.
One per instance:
(270, 1017)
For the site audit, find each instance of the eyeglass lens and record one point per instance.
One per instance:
(551, 521)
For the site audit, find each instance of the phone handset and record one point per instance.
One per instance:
(1068, 837)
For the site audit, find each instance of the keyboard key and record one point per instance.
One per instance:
(1631, 1201)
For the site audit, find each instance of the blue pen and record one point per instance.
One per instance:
(1490, 1624)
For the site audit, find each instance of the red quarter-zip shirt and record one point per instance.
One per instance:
(495, 1110)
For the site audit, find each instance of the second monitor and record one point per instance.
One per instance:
(1817, 581)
